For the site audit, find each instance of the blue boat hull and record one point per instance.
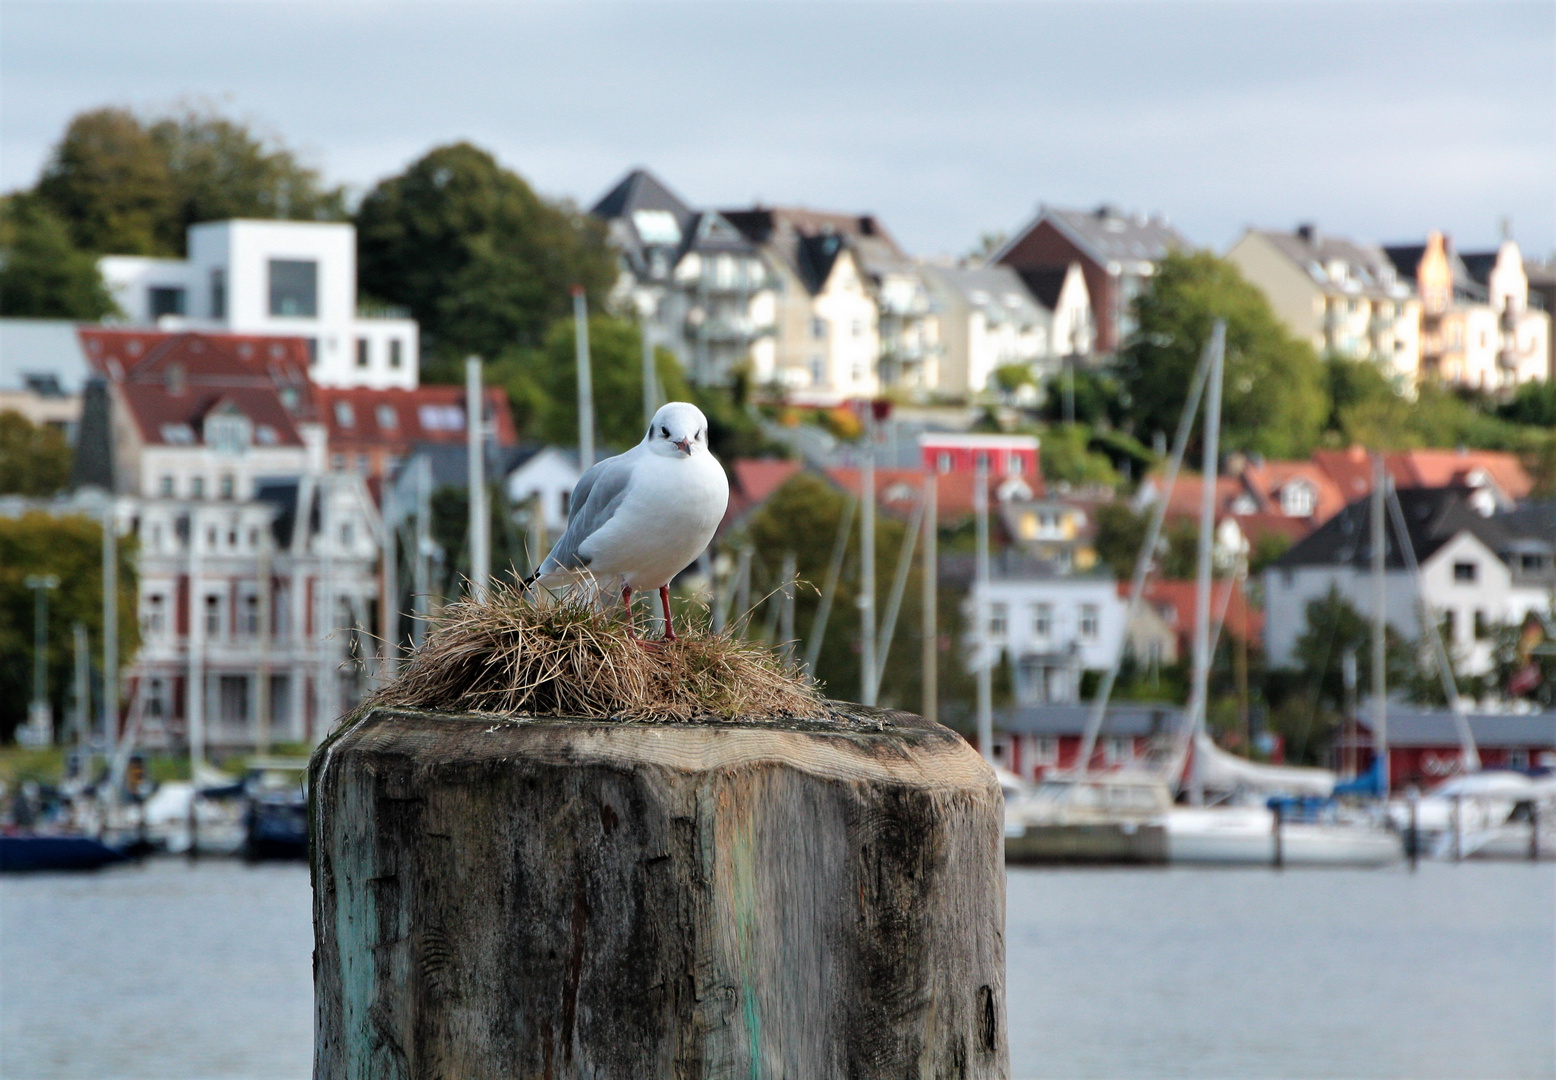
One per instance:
(24, 853)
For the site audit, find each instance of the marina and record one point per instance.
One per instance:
(179, 970)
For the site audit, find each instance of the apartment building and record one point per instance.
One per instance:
(1343, 298)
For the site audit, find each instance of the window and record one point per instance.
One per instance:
(1042, 620)
(388, 419)
(294, 288)
(156, 615)
(218, 293)
(253, 538)
(858, 328)
(1449, 624)
(1116, 750)
(213, 616)
(165, 300)
(362, 352)
(337, 462)
(167, 485)
(818, 328)
(998, 617)
(227, 486)
(197, 488)
(396, 352)
(1464, 572)
(441, 417)
(1045, 750)
(1089, 620)
(1014, 466)
(312, 345)
(251, 615)
(1298, 500)
(362, 464)
(345, 415)
(816, 369)
(943, 462)
(1482, 625)
(347, 535)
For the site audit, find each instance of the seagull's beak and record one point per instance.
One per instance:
(685, 445)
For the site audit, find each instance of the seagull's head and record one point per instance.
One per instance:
(679, 430)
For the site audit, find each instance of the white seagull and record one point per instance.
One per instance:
(642, 517)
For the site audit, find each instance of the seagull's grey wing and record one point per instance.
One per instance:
(595, 499)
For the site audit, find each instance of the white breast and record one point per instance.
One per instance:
(670, 512)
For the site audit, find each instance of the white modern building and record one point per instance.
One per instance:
(1051, 627)
(291, 278)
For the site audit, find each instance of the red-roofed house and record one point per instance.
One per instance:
(1495, 471)
(370, 431)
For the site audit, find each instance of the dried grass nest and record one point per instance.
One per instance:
(538, 654)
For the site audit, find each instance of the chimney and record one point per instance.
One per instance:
(1309, 233)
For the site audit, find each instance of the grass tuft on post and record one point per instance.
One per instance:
(522, 654)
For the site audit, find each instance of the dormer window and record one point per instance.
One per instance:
(388, 419)
(228, 432)
(178, 434)
(345, 416)
(1298, 500)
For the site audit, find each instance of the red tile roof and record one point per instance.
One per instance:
(170, 382)
(897, 490)
(1174, 600)
(1351, 469)
(361, 419)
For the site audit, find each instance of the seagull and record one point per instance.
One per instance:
(642, 517)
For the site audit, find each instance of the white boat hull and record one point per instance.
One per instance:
(1245, 836)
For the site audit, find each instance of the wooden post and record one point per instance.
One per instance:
(1277, 819)
(573, 897)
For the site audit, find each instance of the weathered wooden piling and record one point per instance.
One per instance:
(559, 898)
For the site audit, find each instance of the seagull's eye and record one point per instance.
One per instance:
(665, 432)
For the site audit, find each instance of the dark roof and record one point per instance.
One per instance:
(1533, 519)
(1134, 720)
(1479, 265)
(1433, 516)
(809, 241)
(1110, 235)
(640, 190)
(1407, 260)
(1421, 727)
(1368, 267)
(92, 460)
(1045, 285)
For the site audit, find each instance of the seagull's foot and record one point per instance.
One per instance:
(644, 643)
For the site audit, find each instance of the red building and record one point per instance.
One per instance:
(370, 431)
(1424, 745)
(1034, 740)
(1008, 455)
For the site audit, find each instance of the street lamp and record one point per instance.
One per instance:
(40, 721)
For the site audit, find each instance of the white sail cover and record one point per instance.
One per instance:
(1221, 771)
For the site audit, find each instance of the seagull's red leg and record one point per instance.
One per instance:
(626, 600)
(664, 600)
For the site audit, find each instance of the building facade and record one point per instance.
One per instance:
(701, 288)
(1050, 627)
(1117, 252)
(272, 278)
(1343, 298)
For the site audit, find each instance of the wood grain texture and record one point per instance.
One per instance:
(567, 898)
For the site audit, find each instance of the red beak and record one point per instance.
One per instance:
(685, 445)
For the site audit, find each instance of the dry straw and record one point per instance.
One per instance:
(550, 656)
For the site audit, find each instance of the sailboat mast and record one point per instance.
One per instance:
(1380, 709)
(1203, 573)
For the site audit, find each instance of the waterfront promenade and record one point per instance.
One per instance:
(180, 971)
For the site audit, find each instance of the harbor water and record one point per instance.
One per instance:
(175, 970)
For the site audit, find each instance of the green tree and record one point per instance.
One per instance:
(42, 273)
(71, 549)
(1067, 457)
(109, 181)
(221, 169)
(616, 370)
(34, 458)
(1120, 532)
(1333, 628)
(803, 517)
(1274, 400)
(1533, 403)
(479, 259)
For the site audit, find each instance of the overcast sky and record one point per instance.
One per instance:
(1376, 120)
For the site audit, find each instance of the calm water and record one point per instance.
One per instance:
(175, 971)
